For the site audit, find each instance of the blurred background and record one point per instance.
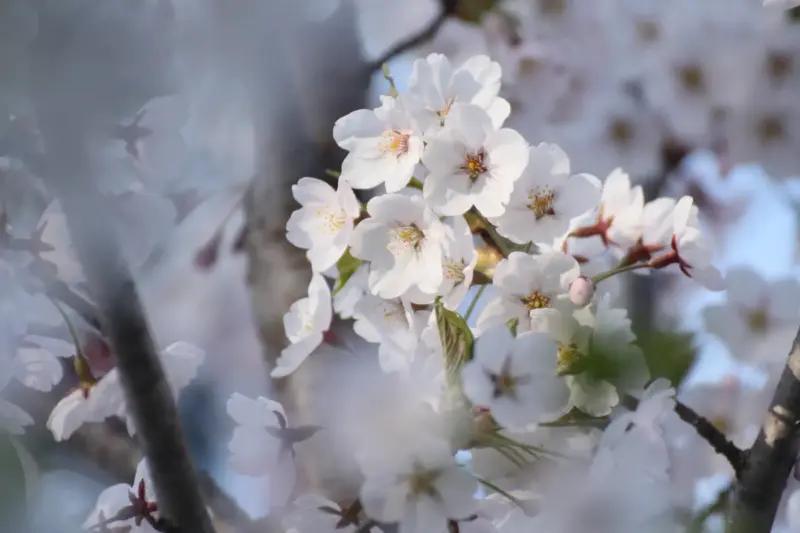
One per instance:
(192, 105)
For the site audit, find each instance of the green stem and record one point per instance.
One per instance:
(474, 301)
(618, 270)
(488, 484)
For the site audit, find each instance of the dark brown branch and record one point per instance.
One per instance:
(712, 435)
(706, 430)
(425, 35)
(148, 394)
(760, 485)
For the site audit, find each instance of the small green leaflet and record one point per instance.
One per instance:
(346, 266)
(456, 337)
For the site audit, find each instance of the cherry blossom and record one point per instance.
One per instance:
(528, 285)
(422, 490)
(757, 315)
(546, 198)
(391, 323)
(130, 506)
(305, 324)
(690, 249)
(470, 163)
(516, 379)
(96, 400)
(437, 86)
(324, 224)
(460, 258)
(385, 145)
(403, 241)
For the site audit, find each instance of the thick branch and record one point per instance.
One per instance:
(148, 394)
(712, 435)
(759, 487)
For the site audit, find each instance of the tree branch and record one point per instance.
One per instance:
(148, 394)
(712, 435)
(759, 486)
(708, 431)
(425, 35)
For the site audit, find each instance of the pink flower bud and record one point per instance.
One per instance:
(581, 291)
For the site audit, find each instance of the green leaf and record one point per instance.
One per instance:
(669, 354)
(414, 183)
(346, 266)
(456, 337)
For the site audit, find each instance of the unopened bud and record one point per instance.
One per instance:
(581, 291)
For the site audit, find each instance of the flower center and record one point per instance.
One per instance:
(692, 79)
(536, 300)
(647, 31)
(758, 321)
(330, 221)
(405, 238)
(721, 423)
(394, 316)
(770, 129)
(454, 270)
(394, 142)
(568, 359)
(541, 202)
(421, 483)
(779, 66)
(504, 385)
(621, 131)
(474, 165)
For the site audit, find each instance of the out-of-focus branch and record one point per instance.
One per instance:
(418, 39)
(758, 488)
(148, 395)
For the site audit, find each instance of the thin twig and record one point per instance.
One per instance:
(425, 35)
(706, 430)
(712, 435)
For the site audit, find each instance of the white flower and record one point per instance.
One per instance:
(546, 198)
(460, 258)
(437, 86)
(348, 295)
(324, 224)
(393, 324)
(657, 401)
(470, 163)
(757, 316)
(305, 325)
(122, 496)
(619, 216)
(422, 491)
(602, 339)
(403, 242)
(690, 251)
(516, 378)
(385, 145)
(94, 403)
(530, 283)
(37, 361)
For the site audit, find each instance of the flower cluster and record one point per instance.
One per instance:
(452, 185)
